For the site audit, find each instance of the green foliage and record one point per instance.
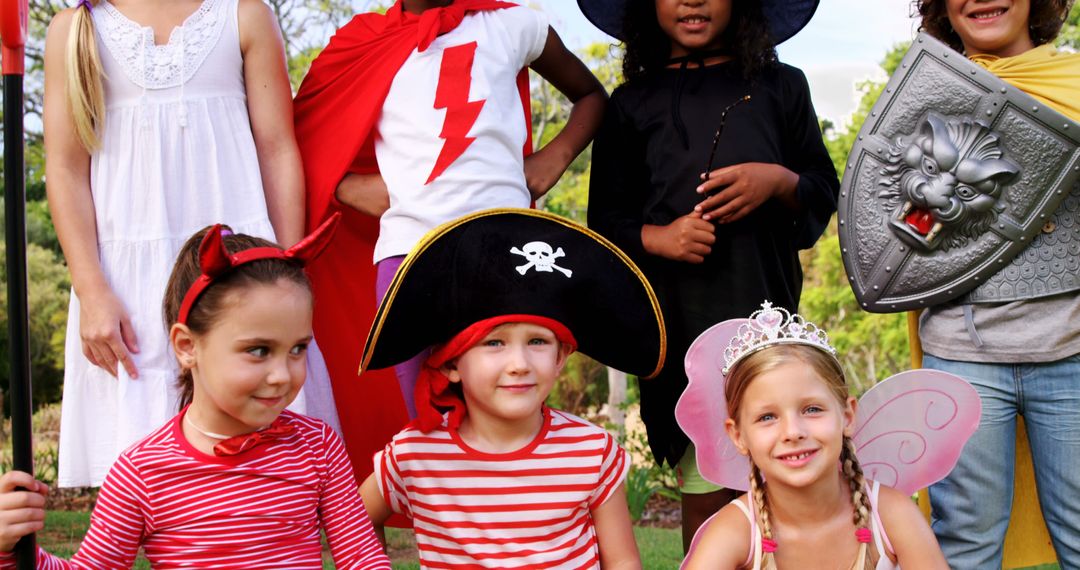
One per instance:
(300, 63)
(550, 110)
(640, 487)
(872, 346)
(39, 226)
(1070, 32)
(582, 385)
(48, 299)
(839, 143)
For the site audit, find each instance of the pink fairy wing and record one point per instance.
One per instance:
(912, 426)
(702, 409)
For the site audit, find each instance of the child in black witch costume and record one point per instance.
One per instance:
(715, 219)
(489, 475)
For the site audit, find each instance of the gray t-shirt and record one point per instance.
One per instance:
(1033, 330)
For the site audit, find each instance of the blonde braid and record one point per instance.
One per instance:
(86, 94)
(757, 487)
(859, 499)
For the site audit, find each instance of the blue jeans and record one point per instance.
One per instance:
(971, 506)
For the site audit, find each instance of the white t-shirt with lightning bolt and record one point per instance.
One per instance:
(453, 126)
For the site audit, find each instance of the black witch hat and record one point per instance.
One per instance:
(785, 17)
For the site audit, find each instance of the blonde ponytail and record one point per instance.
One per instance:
(85, 92)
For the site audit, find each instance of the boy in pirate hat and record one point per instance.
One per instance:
(489, 475)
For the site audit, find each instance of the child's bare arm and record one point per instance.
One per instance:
(108, 338)
(22, 507)
(615, 534)
(377, 508)
(912, 540)
(570, 76)
(365, 193)
(721, 543)
(269, 102)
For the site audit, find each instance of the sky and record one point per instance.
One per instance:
(841, 46)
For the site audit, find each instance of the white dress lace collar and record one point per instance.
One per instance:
(153, 66)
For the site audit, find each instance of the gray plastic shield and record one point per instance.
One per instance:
(953, 174)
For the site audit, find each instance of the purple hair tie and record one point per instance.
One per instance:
(224, 231)
(85, 4)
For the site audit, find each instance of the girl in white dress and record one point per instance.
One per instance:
(161, 117)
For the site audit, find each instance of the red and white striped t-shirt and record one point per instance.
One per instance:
(527, 509)
(263, 508)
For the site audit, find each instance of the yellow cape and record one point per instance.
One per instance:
(1045, 73)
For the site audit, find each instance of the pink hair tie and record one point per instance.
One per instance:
(863, 535)
(768, 545)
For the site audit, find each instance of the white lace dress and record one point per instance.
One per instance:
(177, 155)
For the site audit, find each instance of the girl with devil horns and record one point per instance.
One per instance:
(234, 479)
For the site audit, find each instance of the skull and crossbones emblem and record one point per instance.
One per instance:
(541, 257)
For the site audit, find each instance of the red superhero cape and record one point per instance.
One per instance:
(336, 113)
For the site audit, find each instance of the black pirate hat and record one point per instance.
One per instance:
(520, 262)
(785, 17)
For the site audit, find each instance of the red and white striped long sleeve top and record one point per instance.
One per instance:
(527, 509)
(263, 508)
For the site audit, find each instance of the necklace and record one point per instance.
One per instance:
(209, 434)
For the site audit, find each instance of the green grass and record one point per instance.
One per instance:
(661, 549)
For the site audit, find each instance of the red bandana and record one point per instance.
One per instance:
(433, 394)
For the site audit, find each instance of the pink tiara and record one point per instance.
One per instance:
(773, 325)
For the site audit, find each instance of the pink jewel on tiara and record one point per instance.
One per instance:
(773, 325)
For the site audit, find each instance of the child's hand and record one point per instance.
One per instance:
(108, 339)
(21, 511)
(542, 171)
(689, 238)
(742, 188)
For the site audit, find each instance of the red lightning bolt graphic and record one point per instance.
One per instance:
(452, 94)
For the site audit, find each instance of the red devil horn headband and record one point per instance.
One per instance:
(215, 260)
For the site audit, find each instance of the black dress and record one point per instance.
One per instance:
(647, 159)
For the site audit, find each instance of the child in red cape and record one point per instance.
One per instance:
(420, 116)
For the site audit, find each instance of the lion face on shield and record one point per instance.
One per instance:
(943, 186)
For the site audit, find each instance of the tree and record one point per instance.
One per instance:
(550, 110)
(873, 346)
(1070, 32)
(48, 300)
